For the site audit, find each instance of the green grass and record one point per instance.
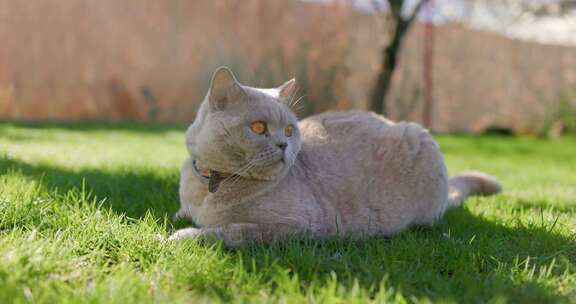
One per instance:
(81, 207)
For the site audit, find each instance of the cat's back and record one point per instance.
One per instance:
(359, 140)
(355, 127)
(372, 169)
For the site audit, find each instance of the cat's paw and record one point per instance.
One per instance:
(204, 235)
(186, 234)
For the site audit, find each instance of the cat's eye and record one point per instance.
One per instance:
(288, 130)
(258, 127)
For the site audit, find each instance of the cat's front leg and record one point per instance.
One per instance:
(237, 234)
(195, 233)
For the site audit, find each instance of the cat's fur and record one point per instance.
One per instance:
(349, 174)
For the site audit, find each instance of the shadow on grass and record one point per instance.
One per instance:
(125, 191)
(465, 259)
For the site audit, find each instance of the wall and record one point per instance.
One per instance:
(152, 60)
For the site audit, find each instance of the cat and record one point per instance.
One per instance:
(255, 174)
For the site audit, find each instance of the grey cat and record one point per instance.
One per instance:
(256, 174)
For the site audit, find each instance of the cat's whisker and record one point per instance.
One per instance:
(297, 101)
(298, 109)
(239, 172)
(292, 96)
(234, 177)
(228, 186)
(232, 181)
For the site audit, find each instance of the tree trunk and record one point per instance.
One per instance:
(389, 61)
(387, 67)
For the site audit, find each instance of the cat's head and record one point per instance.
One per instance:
(245, 131)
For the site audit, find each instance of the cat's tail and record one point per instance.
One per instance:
(471, 183)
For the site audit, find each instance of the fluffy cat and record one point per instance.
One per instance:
(256, 174)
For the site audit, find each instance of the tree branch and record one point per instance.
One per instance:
(416, 10)
(396, 8)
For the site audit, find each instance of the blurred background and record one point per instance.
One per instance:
(506, 66)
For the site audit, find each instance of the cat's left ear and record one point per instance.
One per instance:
(287, 90)
(224, 89)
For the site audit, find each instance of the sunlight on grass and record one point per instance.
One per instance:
(82, 208)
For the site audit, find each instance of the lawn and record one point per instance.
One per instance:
(82, 205)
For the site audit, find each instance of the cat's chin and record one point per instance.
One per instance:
(273, 173)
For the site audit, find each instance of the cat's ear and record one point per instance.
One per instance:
(224, 89)
(287, 90)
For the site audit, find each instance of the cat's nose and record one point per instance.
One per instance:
(282, 145)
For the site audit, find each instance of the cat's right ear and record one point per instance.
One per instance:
(224, 89)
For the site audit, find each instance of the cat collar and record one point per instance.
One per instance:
(203, 175)
(207, 176)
